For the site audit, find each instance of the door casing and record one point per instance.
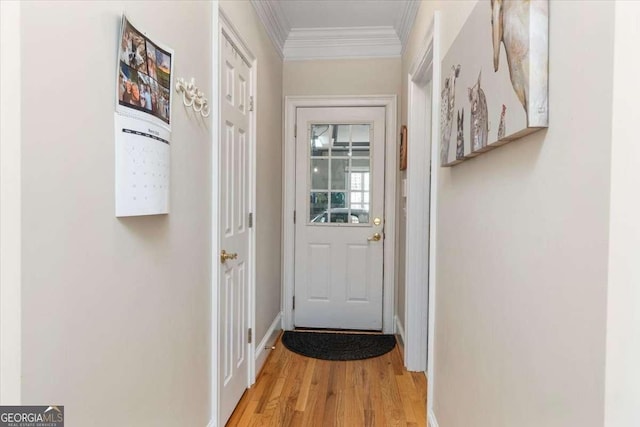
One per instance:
(389, 102)
(420, 338)
(222, 23)
(421, 211)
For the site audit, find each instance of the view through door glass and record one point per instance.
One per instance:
(339, 174)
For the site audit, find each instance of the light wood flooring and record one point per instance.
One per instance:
(294, 390)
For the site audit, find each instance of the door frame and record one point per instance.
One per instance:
(222, 23)
(389, 102)
(420, 326)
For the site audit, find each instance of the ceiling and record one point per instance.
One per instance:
(324, 29)
(342, 13)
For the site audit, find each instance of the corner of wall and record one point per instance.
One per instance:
(399, 331)
(433, 422)
(265, 345)
(622, 382)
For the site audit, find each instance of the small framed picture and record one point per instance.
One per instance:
(403, 148)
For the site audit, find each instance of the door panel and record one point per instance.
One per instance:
(357, 268)
(319, 277)
(227, 179)
(235, 235)
(339, 190)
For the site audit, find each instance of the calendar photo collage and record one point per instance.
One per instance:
(144, 74)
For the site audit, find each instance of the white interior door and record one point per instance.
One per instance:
(235, 200)
(339, 231)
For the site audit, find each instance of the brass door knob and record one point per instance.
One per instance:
(376, 237)
(224, 256)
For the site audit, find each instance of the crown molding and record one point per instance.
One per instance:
(336, 42)
(342, 42)
(405, 22)
(275, 22)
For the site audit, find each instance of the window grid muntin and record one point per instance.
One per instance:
(349, 173)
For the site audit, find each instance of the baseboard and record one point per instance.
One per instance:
(433, 422)
(212, 423)
(399, 330)
(268, 341)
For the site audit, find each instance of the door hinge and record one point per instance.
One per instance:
(295, 131)
(294, 302)
(250, 219)
(249, 336)
(251, 103)
(294, 217)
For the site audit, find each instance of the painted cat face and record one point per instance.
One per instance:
(474, 92)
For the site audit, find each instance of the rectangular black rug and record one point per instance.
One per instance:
(338, 346)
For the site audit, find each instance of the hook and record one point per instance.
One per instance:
(192, 96)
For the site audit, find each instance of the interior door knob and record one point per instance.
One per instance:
(375, 237)
(224, 256)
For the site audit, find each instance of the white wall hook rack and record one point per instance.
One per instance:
(192, 96)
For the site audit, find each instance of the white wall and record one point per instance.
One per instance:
(523, 245)
(380, 76)
(116, 311)
(623, 314)
(268, 216)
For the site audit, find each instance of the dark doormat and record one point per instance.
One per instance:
(338, 346)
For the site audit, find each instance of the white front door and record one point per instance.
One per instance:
(339, 231)
(234, 228)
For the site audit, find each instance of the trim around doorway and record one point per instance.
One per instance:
(423, 89)
(421, 171)
(222, 24)
(226, 28)
(288, 192)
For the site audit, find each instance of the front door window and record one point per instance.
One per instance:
(340, 178)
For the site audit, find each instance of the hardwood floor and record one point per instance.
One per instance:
(294, 390)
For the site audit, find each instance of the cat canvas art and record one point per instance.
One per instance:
(447, 107)
(497, 63)
(527, 62)
(460, 142)
(502, 128)
(479, 126)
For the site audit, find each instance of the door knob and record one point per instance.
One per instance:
(224, 256)
(375, 237)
